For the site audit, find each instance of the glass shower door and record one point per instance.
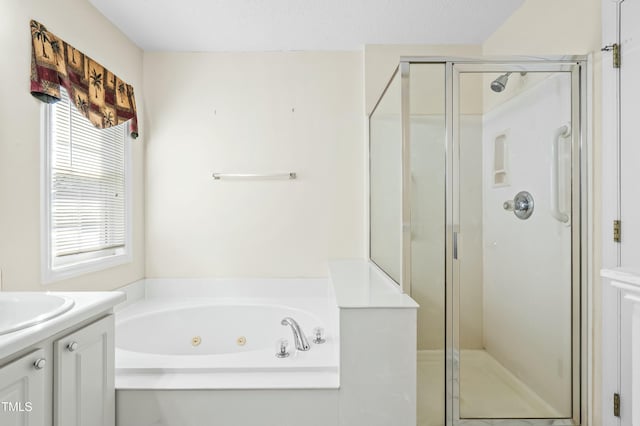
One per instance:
(513, 332)
(427, 135)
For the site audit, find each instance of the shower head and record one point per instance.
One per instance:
(500, 83)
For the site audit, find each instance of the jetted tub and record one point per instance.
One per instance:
(223, 334)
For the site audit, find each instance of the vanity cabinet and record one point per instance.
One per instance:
(83, 377)
(23, 391)
(65, 380)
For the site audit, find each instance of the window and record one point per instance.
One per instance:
(86, 197)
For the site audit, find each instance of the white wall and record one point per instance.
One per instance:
(78, 23)
(244, 113)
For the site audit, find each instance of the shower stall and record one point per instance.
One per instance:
(478, 203)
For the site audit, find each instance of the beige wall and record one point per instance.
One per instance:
(542, 27)
(245, 113)
(381, 60)
(20, 136)
(548, 27)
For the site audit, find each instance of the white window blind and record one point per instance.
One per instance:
(87, 211)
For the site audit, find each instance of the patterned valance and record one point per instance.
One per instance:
(97, 93)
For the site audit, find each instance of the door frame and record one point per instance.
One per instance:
(611, 204)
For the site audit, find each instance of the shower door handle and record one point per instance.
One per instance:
(562, 132)
(455, 245)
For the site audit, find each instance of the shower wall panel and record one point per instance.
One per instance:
(526, 269)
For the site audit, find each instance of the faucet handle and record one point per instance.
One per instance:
(318, 336)
(282, 346)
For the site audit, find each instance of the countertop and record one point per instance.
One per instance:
(360, 284)
(626, 279)
(625, 275)
(87, 304)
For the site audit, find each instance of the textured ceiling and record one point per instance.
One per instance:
(261, 25)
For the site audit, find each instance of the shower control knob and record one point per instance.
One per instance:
(71, 347)
(521, 205)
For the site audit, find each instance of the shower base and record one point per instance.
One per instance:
(500, 393)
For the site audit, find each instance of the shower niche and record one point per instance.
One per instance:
(500, 160)
(477, 210)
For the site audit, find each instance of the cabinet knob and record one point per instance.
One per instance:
(71, 347)
(40, 363)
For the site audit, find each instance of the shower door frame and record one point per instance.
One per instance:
(580, 219)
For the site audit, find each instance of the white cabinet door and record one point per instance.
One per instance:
(22, 391)
(84, 393)
(611, 329)
(627, 367)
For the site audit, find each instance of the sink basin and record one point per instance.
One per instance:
(20, 310)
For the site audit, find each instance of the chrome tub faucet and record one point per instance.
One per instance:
(298, 336)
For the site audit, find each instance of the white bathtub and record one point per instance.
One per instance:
(222, 334)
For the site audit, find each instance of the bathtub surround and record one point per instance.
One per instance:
(377, 347)
(377, 358)
(253, 113)
(237, 408)
(20, 189)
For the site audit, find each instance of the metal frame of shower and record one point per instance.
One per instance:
(581, 217)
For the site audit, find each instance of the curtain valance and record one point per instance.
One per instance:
(96, 92)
